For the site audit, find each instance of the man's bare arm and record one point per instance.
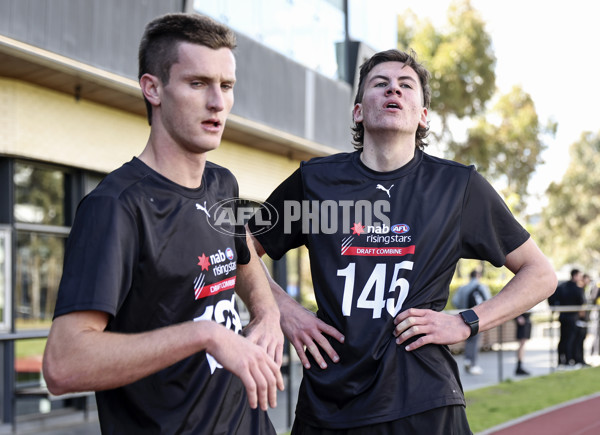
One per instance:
(81, 356)
(534, 281)
(301, 326)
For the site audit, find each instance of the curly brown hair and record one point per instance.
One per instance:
(408, 59)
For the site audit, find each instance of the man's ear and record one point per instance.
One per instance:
(357, 114)
(423, 120)
(150, 86)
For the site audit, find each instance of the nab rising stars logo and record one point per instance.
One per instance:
(377, 235)
(222, 264)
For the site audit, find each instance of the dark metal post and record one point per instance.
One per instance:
(347, 51)
(551, 334)
(280, 277)
(500, 356)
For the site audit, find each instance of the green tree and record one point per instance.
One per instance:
(461, 61)
(570, 225)
(506, 144)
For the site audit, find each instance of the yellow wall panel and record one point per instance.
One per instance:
(53, 127)
(258, 172)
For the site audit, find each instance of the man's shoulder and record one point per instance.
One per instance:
(119, 180)
(476, 288)
(317, 162)
(211, 166)
(468, 286)
(451, 165)
(220, 181)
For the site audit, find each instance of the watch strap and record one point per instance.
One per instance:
(471, 320)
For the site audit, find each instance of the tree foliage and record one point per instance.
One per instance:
(570, 226)
(39, 195)
(506, 144)
(461, 61)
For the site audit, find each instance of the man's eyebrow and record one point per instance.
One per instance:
(383, 77)
(210, 79)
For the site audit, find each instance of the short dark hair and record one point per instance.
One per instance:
(574, 272)
(408, 59)
(158, 46)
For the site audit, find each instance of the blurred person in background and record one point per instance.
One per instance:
(523, 334)
(569, 294)
(475, 292)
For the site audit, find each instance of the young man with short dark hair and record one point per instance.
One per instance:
(145, 316)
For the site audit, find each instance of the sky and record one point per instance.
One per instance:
(549, 47)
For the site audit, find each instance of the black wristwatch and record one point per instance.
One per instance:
(472, 321)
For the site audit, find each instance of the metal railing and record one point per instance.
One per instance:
(545, 320)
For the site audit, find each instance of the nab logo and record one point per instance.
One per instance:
(229, 253)
(219, 257)
(400, 228)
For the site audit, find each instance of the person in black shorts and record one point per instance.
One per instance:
(146, 313)
(385, 227)
(523, 334)
(569, 295)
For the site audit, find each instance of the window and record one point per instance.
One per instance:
(39, 194)
(40, 214)
(306, 31)
(5, 279)
(45, 199)
(39, 263)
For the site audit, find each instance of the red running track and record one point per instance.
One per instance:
(580, 417)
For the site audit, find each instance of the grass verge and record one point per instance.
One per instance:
(491, 406)
(29, 347)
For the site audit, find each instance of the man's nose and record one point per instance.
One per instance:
(216, 101)
(393, 89)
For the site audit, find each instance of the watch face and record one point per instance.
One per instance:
(469, 316)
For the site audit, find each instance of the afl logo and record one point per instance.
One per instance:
(229, 253)
(400, 228)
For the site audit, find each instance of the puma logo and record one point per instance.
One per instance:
(203, 208)
(380, 187)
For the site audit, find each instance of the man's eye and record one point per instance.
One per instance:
(227, 86)
(405, 85)
(381, 85)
